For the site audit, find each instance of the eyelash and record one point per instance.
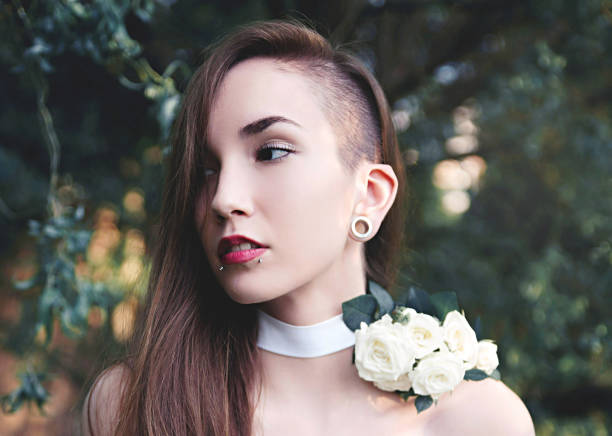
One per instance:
(269, 146)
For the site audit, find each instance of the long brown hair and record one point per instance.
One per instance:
(193, 366)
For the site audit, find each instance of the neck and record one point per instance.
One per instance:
(322, 298)
(328, 377)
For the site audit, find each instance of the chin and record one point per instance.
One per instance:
(249, 300)
(242, 297)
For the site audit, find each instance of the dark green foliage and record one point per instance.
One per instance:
(444, 302)
(423, 403)
(475, 374)
(418, 299)
(30, 389)
(383, 299)
(359, 309)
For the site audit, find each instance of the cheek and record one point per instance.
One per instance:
(315, 214)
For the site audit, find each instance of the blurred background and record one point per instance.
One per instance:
(504, 113)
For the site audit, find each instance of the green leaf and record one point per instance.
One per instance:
(398, 316)
(77, 241)
(12, 402)
(478, 328)
(47, 321)
(475, 374)
(423, 403)
(418, 299)
(405, 395)
(34, 227)
(69, 323)
(357, 310)
(26, 383)
(38, 390)
(79, 213)
(444, 302)
(51, 231)
(384, 300)
(30, 390)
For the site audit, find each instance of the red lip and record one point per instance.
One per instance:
(226, 243)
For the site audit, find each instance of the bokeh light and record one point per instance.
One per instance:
(123, 319)
(455, 202)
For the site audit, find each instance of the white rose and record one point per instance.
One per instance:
(437, 373)
(487, 356)
(425, 333)
(409, 312)
(403, 383)
(461, 339)
(382, 353)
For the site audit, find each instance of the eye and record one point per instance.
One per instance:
(209, 169)
(268, 151)
(271, 151)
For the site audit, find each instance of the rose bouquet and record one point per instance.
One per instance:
(419, 346)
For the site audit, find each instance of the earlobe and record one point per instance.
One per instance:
(379, 188)
(365, 235)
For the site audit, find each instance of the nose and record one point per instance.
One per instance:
(232, 194)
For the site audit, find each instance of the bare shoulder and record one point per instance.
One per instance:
(103, 400)
(481, 408)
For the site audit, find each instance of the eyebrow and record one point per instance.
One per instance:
(263, 123)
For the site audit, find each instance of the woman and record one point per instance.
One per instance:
(283, 197)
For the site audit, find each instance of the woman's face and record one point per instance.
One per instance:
(274, 176)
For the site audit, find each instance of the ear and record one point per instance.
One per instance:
(376, 191)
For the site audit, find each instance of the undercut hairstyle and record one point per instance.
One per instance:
(346, 91)
(347, 105)
(192, 363)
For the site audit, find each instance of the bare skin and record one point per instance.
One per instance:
(325, 396)
(301, 207)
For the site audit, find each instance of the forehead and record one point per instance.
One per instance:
(258, 88)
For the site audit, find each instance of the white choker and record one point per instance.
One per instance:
(315, 340)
